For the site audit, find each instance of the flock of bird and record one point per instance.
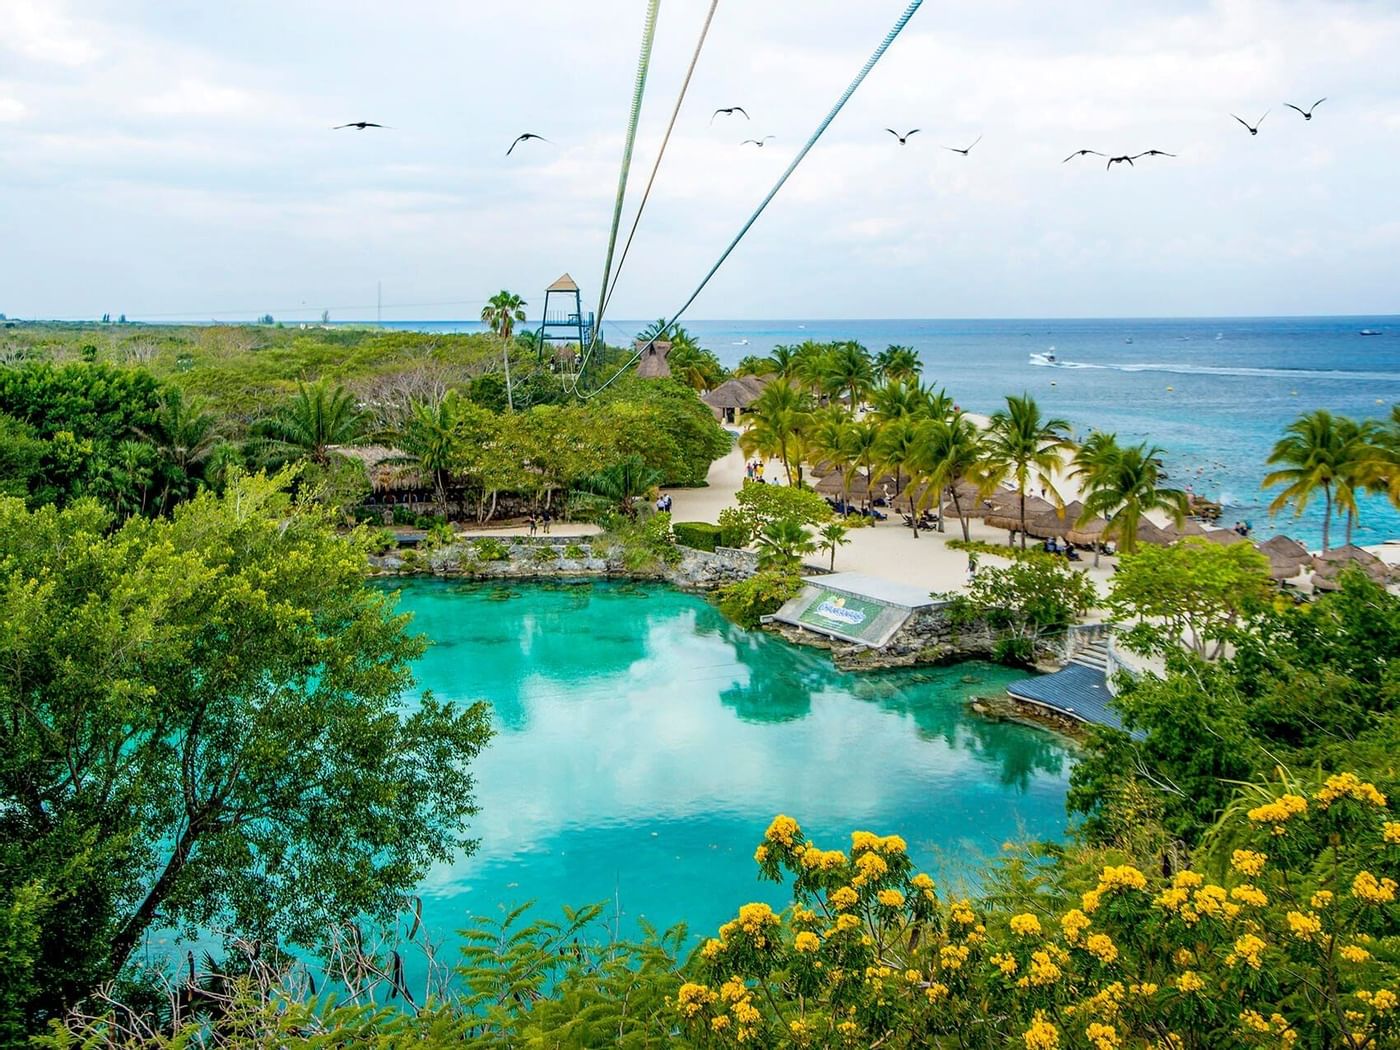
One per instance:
(903, 140)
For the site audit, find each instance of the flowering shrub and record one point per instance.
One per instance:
(1295, 941)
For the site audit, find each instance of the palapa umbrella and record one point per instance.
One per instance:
(1188, 527)
(1286, 557)
(1055, 523)
(1087, 534)
(832, 485)
(1224, 537)
(1147, 532)
(1329, 565)
(1007, 514)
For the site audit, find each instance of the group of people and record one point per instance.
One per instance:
(1055, 545)
(663, 502)
(753, 470)
(1243, 528)
(542, 521)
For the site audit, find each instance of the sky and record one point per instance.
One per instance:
(174, 160)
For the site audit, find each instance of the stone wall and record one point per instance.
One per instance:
(928, 637)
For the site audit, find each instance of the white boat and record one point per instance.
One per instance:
(1369, 331)
(1047, 358)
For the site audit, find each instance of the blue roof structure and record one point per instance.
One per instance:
(1077, 691)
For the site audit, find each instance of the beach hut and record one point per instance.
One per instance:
(1328, 566)
(732, 398)
(1225, 537)
(1088, 534)
(652, 363)
(1188, 527)
(1055, 523)
(861, 488)
(1147, 532)
(1006, 513)
(1287, 557)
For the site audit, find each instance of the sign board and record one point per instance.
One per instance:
(843, 613)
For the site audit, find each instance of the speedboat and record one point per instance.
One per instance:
(1047, 358)
(1369, 331)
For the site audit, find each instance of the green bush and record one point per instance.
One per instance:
(488, 548)
(382, 541)
(545, 552)
(701, 535)
(734, 528)
(748, 601)
(575, 553)
(404, 516)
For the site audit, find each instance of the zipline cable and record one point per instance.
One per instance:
(646, 194)
(638, 92)
(782, 179)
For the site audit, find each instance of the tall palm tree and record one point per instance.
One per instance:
(1358, 466)
(830, 536)
(950, 448)
(848, 369)
(1315, 451)
(899, 400)
(502, 312)
(1121, 485)
(826, 438)
(899, 364)
(861, 444)
(901, 452)
(184, 435)
(431, 438)
(1023, 446)
(316, 419)
(777, 420)
(1383, 474)
(785, 361)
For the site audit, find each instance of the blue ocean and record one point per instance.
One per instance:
(1214, 393)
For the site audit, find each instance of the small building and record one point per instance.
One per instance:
(732, 398)
(652, 364)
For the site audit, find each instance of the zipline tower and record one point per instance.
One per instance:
(564, 328)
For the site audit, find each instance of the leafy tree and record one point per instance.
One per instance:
(1319, 452)
(899, 364)
(1024, 603)
(901, 399)
(1194, 591)
(753, 365)
(761, 505)
(313, 423)
(1121, 485)
(432, 438)
(949, 450)
(205, 728)
(624, 482)
(830, 536)
(502, 312)
(778, 420)
(901, 453)
(21, 456)
(848, 368)
(782, 544)
(185, 434)
(1023, 447)
(746, 602)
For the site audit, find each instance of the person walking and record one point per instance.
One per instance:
(532, 523)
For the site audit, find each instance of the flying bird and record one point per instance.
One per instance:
(1119, 160)
(905, 137)
(358, 125)
(1254, 128)
(964, 152)
(1080, 153)
(1153, 153)
(1137, 156)
(1307, 113)
(760, 143)
(729, 112)
(524, 138)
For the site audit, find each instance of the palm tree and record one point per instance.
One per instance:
(899, 364)
(1358, 465)
(1316, 450)
(777, 420)
(1383, 474)
(826, 438)
(502, 311)
(848, 368)
(899, 400)
(317, 419)
(185, 433)
(431, 438)
(1022, 446)
(860, 444)
(782, 543)
(829, 537)
(950, 450)
(753, 365)
(900, 451)
(1121, 485)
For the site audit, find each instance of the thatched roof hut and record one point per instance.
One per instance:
(1225, 537)
(1328, 566)
(833, 484)
(1188, 527)
(1055, 523)
(1286, 557)
(1088, 534)
(733, 396)
(1006, 514)
(652, 364)
(388, 469)
(1147, 532)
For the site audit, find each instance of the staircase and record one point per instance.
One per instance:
(1094, 654)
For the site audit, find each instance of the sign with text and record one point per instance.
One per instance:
(832, 611)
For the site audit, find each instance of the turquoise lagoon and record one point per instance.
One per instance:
(643, 743)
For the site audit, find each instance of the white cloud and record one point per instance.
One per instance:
(197, 98)
(12, 108)
(40, 30)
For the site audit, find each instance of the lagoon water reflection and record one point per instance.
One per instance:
(643, 744)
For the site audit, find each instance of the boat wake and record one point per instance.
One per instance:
(1043, 360)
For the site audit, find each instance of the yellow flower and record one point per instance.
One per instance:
(1188, 880)
(754, 919)
(961, 913)
(846, 921)
(1025, 925)
(863, 841)
(893, 844)
(1042, 1035)
(1248, 862)
(844, 898)
(1304, 927)
(1251, 895)
(1209, 900)
(912, 976)
(712, 948)
(890, 898)
(806, 941)
(692, 998)
(1279, 812)
(1189, 982)
(1073, 923)
(783, 830)
(922, 881)
(1348, 785)
(869, 866)
(1367, 888)
(1102, 1036)
(1101, 946)
(1321, 900)
(1383, 1001)
(1248, 948)
(1043, 970)
(760, 854)
(1005, 962)
(1171, 899)
(1390, 831)
(801, 915)
(1354, 953)
(733, 990)
(745, 1012)
(719, 1022)
(1146, 988)
(935, 992)
(1122, 877)
(801, 1030)
(952, 956)
(1253, 1021)
(1089, 901)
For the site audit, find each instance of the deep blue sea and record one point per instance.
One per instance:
(1214, 393)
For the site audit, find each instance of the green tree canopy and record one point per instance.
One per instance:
(205, 728)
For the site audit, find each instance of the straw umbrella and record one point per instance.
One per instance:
(1150, 533)
(1053, 522)
(1329, 565)
(1286, 557)
(1007, 515)
(1188, 527)
(1224, 537)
